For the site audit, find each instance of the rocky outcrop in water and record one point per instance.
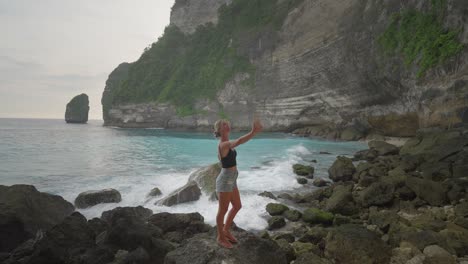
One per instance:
(77, 109)
(323, 71)
(24, 211)
(91, 198)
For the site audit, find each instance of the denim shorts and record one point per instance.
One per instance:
(226, 180)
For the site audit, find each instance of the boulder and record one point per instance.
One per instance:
(301, 180)
(60, 244)
(383, 218)
(435, 146)
(435, 254)
(286, 248)
(383, 148)
(267, 194)
(351, 133)
(205, 177)
(91, 198)
(168, 222)
(138, 213)
(460, 165)
(276, 208)
(436, 171)
(129, 229)
(342, 169)
(314, 235)
(24, 211)
(341, 201)
(155, 192)
(320, 182)
(317, 216)
(304, 170)
(187, 193)
(432, 192)
(457, 239)
(378, 193)
(292, 215)
(302, 248)
(276, 222)
(203, 248)
(77, 109)
(354, 244)
(286, 236)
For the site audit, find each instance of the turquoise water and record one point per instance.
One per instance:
(67, 159)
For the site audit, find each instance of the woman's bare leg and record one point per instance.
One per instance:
(223, 204)
(236, 206)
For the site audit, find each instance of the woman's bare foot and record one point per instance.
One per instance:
(224, 243)
(229, 236)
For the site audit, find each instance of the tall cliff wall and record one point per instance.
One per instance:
(323, 67)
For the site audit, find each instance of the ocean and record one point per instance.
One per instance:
(67, 159)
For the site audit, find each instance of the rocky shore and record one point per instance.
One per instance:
(388, 204)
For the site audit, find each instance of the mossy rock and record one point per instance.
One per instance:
(302, 248)
(342, 169)
(301, 180)
(304, 170)
(276, 208)
(287, 236)
(276, 222)
(293, 215)
(317, 216)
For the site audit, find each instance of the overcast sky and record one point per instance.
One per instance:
(52, 50)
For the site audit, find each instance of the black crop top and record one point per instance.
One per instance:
(229, 160)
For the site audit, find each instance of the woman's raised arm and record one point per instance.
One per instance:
(256, 128)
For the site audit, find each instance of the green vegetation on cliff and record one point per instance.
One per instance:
(421, 37)
(180, 68)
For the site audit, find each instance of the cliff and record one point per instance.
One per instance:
(388, 67)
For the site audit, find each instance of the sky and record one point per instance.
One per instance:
(53, 50)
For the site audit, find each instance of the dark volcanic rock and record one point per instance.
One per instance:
(342, 169)
(354, 244)
(432, 192)
(378, 193)
(129, 229)
(383, 148)
(276, 208)
(155, 192)
(203, 248)
(91, 198)
(276, 222)
(77, 109)
(187, 193)
(178, 227)
(267, 194)
(341, 201)
(60, 244)
(24, 211)
(304, 170)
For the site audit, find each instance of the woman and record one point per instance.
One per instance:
(226, 186)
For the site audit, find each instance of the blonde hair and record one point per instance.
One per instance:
(217, 126)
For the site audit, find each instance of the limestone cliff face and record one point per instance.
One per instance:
(324, 67)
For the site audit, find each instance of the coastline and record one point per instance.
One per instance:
(397, 204)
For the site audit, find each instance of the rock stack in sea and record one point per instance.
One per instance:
(77, 109)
